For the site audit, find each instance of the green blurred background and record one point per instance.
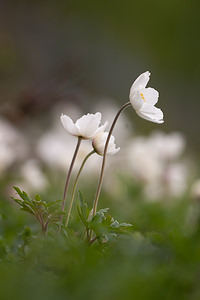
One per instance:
(82, 51)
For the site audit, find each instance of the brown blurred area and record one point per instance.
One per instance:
(34, 73)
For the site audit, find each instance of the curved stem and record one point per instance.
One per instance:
(75, 184)
(104, 157)
(69, 174)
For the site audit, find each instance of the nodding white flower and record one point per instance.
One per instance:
(99, 144)
(86, 127)
(143, 99)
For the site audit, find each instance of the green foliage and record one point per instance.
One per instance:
(102, 224)
(157, 258)
(44, 212)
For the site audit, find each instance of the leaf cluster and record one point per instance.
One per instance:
(43, 211)
(102, 224)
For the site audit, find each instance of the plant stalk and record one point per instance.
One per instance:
(69, 175)
(104, 157)
(75, 184)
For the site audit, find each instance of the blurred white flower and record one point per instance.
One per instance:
(168, 146)
(7, 157)
(32, 175)
(13, 146)
(175, 179)
(172, 183)
(56, 150)
(86, 127)
(195, 190)
(142, 161)
(155, 162)
(143, 99)
(99, 142)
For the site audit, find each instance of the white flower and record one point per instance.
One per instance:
(55, 149)
(175, 179)
(13, 146)
(142, 160)
(33, 176)
(7, 157)
(143, 99)
(86, 127)
(195, 190)
(99, 144)
(168, 146)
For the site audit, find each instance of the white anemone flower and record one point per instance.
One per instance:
(87, 127)
(99, 144)
(144, 99)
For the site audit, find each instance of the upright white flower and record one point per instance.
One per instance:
(87, 127)
(144, 99)
(99, 144)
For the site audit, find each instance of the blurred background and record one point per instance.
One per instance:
(84, 51)
(76, 57)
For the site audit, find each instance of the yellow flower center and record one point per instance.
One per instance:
(142, 97)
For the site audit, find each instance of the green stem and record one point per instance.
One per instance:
(69, 174)
(75, 184)
(104, 157)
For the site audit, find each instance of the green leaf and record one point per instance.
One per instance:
(84, 221)
(22, 194)
(82, 210)
(53, 203)
(125, 225)
(38, 198)
(100, 216)
(115, 224)
(83, 206)
(28, 208)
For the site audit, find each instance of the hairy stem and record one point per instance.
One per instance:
(69, 174)
(75, 184)
(104, 157)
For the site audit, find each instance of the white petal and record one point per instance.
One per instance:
(139, 83)
(113, 151)
(88, 124)
(69, 125)
(149, 95)
(100, 129)
(100, 141)
(136, 100)
(151, 113)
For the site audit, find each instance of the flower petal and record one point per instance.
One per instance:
(100, 129)
(149, 95)
(69, 125)
(136, 100)
(100, 141)
(88, 124)
(151, 113)
(139, 83)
